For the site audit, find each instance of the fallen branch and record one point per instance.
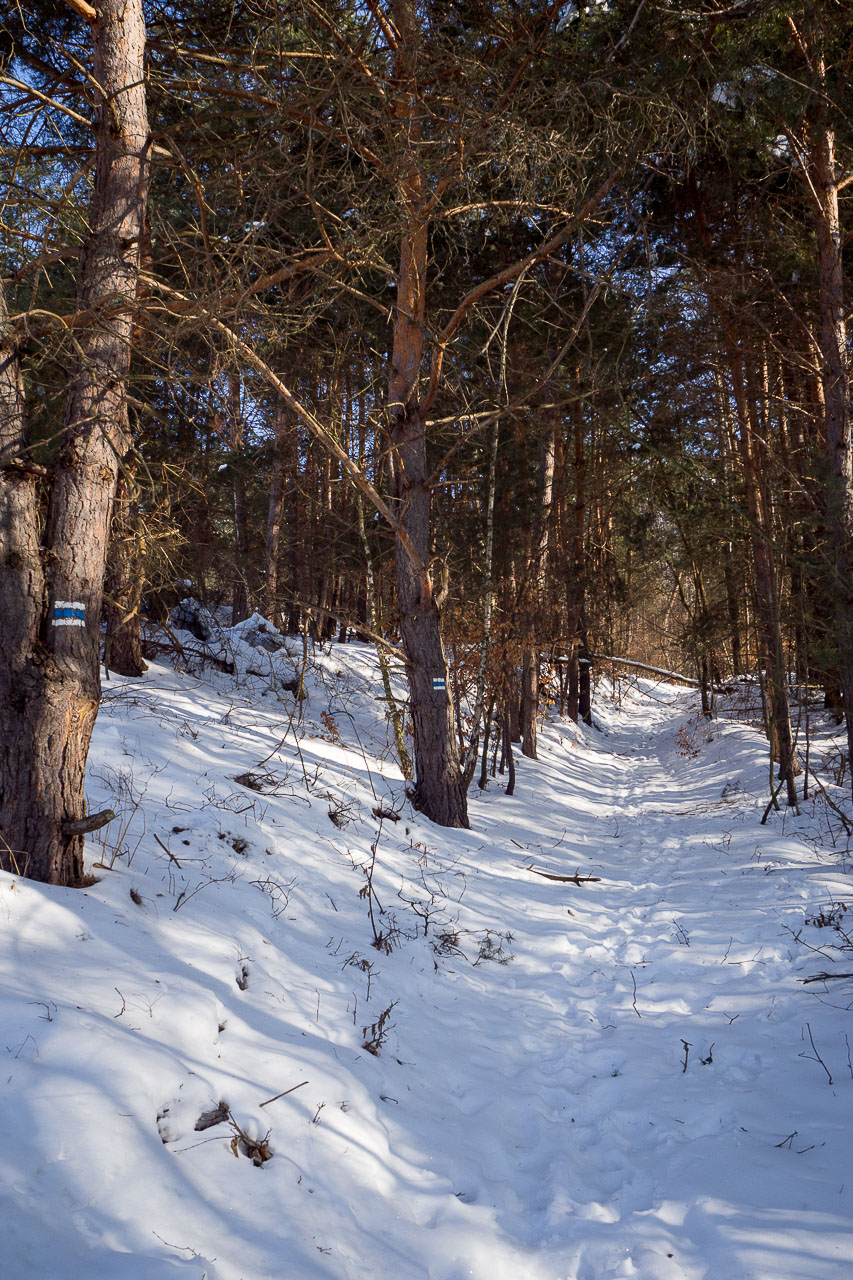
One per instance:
(292, 1089)
(185, 652)
(644, 666)
(634, 1000)
(824, 977)
(771, 802)
(845, 821)
(577, 878)
(815, 1056)
(168, 852)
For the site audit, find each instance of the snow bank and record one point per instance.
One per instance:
(457, 1067)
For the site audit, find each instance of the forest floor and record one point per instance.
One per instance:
(485, 1072)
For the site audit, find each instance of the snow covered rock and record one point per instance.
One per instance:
(258, 632)
(191, 615)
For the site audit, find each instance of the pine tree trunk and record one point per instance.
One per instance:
(50, 631)
(732, 610)
(469, 761)
(296, 524)
(393, 711)
(537, 572)
(579, 704)
(529, 700)
(835, 381)
(507, 749)
(275, 516)
(764, 579)
(239, 592)
(439, 791)
(123, 603)
(21, 597)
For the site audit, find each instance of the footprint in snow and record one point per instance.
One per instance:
(166, 1129)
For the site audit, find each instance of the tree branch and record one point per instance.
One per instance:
(82, 826)
(506, 276)
(316, 428)
(83, 10)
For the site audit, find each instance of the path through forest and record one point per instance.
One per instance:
(627, 1110)
(617, 1078)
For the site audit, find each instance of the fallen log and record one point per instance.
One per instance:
(577, 878)
(644, 666)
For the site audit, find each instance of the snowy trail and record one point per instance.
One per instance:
(596, 1131)
(704, 1130)
(572, 1082)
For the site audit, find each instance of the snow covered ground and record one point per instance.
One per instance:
(483, 1072)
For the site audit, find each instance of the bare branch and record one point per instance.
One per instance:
(506, 276)
(318, 431)
(83, 10)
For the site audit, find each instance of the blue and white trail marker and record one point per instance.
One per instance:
(69, 613)
(439, 682)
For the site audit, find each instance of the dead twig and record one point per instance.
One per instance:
(815, 1056)
(634, 1001)
(168, 853)
(824, 977)
(292, 1089)
(845, 821)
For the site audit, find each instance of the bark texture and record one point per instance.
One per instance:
(439, 791)
(240, 592)
(125, 582)
(835, 380)
(537, 576)
(50, 616)
(579, 701)
(275, 518)
(779, 727)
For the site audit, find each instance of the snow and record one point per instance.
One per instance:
(617, 1078)
(724, 94)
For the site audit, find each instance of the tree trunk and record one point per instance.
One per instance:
(580, 686)
(469, 762)
(50, 630)
(507, 747)
(537, 572)
(393, 712)
(239, 592)
(21, 598)
(706, 687)
(125, 583)
(732, 609)
(275, 516)
(439, 790)
(296, 550)
(764, 578)
(835, 381)
(529, 700)
(511, 683)
(487, 732)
